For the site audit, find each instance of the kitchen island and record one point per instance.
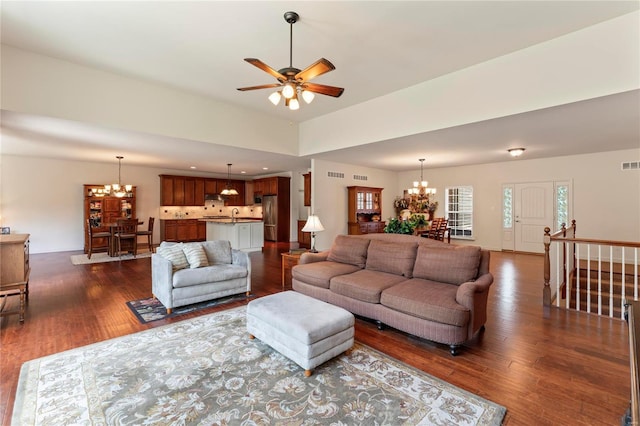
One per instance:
(244, 233)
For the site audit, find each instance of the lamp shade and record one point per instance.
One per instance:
(313, 224)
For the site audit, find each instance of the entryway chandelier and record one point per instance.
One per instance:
(119, 190)
(228, 190)
(420, 187)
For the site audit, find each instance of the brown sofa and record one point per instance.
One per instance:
(424, 287)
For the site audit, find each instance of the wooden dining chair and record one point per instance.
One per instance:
(126, 230)
(148, 233)
(95, 235)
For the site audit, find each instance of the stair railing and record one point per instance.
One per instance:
(568, 261)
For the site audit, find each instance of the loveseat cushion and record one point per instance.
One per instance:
(173, 253)
(349, 249)
(319, 274)
(452, 265)
(364, 285)
(195, 254)
(394, 258)
(210, 274)
(430, 300)
(218, 251)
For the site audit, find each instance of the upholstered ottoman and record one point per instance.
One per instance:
(305, 330)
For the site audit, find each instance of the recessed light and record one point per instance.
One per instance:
(243, 172)
(265, 168)
(516, 152)
(193, 167)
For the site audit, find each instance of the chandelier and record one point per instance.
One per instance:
(419, 188)
(228, 190)
(119, 190)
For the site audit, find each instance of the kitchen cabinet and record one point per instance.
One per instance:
(267, 186)
(245, 236)
(190, 190)
(276, 210)
(364, 210)
(307, 189)
(182, 230)
(103, 210)
(304, 238)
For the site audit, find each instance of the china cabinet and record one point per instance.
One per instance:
(103, 210)
(364, 210)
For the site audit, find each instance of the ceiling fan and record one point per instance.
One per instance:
(293, 82)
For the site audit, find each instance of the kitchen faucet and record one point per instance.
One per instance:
(233, 212)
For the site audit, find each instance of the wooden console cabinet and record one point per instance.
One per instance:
(14, 271)
(364, 210)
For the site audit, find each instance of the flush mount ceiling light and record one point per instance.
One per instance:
(516, 152)
(292, 82)
(228, 190)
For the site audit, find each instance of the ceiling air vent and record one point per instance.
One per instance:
(631, 165)
(360, 177)
(338, 175)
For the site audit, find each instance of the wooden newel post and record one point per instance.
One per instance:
(546, 292)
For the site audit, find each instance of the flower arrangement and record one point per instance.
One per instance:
(401, 203)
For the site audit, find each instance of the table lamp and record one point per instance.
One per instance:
(313, 225)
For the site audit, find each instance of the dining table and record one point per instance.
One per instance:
(113, 226)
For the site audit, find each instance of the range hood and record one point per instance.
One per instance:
(213, 197)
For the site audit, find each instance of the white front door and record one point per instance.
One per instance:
(533, 211)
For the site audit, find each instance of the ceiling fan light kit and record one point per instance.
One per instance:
(293, 82)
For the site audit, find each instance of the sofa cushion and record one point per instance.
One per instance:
(454, 265)
(430, 300)
(218, 251)
(174, 254)
(349, 249)
(320, 273)
(195, 254)
(394, 258)
(364, 285)
(210, 274)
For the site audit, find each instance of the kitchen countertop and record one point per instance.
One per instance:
(231, 221)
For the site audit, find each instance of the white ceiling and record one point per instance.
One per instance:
(377, 47)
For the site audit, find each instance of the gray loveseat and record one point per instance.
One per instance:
(424, 287)
(187, 273)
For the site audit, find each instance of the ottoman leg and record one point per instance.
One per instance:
(251, 336)
(307, 373)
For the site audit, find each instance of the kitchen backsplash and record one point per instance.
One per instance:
(197, 212)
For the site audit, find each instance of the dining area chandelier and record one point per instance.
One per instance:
(420, 188)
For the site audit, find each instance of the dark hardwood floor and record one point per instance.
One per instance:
(547, 367)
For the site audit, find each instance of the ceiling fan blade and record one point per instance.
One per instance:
(266, 68)
(320, 67)
(324, 90)
(264, 86)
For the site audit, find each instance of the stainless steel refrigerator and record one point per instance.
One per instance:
(270, 217)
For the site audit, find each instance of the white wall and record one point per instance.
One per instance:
(606, 199)
(329, 195)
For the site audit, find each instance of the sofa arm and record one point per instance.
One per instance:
(241, 258)
(162, 279)
(309, 257)
(474, 296)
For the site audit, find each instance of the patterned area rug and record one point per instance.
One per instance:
(206, 371)
(81, 259)
(150, 309)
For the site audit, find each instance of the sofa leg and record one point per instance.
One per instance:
(169, 310)
(248, 293)
(454, 350)
(380, 325)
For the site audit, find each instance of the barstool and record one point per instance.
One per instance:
(149, 234)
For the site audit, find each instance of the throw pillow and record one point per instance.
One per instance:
(218, 251)
(394, 258)
(196, 255)
(175, 255)
(447, 265)
(349, 249)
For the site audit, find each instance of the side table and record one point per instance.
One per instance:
(289, 260)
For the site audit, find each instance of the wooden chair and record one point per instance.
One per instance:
(126, 230)
(94, 235)
(438, 229)
(148, 233)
